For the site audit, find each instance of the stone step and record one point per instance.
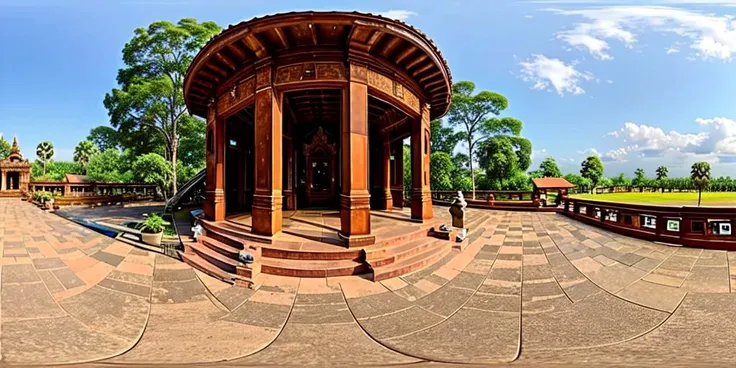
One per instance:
(319, 268)
(205, 266)
(273, 251)
(432, 254)
(234, 231)
(221, 261)
(387, 255)
(219, 247)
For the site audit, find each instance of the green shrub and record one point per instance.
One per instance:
(153, 224)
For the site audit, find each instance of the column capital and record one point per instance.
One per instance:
(358, 72)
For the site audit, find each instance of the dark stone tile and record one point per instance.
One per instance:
(125, 287)
(234, 296)
(437, 280)
(178, 292)
(321, 313)
(67, 278)
(183, 274)
(259, 314)
(467, 280)
(495, 303)
(33, 250)
(629, 259)
(109, 258)
(28, 301)
(445, 300)
(48, 263)
(123, 315)
(411, 292)
(130, 277)
(16, 273)
(378, 304)
(400, 323)
(327, 298)
(51, 282)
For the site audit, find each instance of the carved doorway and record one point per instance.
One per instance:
(321, 175)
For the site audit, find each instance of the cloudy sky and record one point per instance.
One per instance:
(640, 83)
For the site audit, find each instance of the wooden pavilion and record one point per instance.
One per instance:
(310, 110)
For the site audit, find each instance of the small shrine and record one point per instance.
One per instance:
(15, 173)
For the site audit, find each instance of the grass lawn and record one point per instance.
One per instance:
(670, 199)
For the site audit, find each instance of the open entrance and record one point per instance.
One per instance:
(12, 181)
(239, 162)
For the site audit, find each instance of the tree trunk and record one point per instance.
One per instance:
(470, 163)
(174, 154)
(44, 167)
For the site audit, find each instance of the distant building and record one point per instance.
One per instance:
(15, 173)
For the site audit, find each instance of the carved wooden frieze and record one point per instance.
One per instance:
(359, 73)
(240, 92)
(393, 88)
(302, 72)
(263, 77)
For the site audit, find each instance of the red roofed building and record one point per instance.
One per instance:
(542, 185)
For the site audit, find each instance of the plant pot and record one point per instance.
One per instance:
(48, 206)
(152, 238)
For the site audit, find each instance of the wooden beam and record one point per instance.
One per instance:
(209, 75)
(283, 38)
(313, 29)
(423, 69)
(390, 46)
(430, 76)
(416, 61)
(230, 64)
(256, 45)
(375, 37)
(216, 68)
(408, 51)
(203, 83)
(435, 89)
(239, 53)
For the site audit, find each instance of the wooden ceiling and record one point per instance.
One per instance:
(320, 36)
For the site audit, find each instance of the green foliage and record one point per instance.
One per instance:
(620, 181)
(462, 183)
(55, 170)
(662, 172)
(82, 152)
(549, 168)
(44, 152)
(443, 139)
(581, 182)
(592, 169)
(407, 168)
(518, 181)
(186, 172)
(153, 224)
(700, 175)
(4, 148)
(148, 108)
(441, 171)
(498, 158)
(104, 137)
(109, 166)
(151, 168)
(639, 177)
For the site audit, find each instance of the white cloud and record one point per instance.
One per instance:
(528, 16)
(618, 155)
(589, 151)
(711, 36)
(543, 72)
(672, 50)
(398, 14)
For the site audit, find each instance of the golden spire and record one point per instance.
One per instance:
(14, 148)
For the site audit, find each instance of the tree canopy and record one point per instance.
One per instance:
(549, 168)
(700, 175)
(592, 169)
(148, 108)
(4, 148)
(440, 176)
(82, 153)
(104, 137)
(44, 152)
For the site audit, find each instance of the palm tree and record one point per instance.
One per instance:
(82, 153)
(662, 172)
(700, 174)
(44, 151)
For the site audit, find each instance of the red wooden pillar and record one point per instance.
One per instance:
(267, 199)
(397, 174)
(421, 196)
(386, 200)
(214, 206)
(355, 211)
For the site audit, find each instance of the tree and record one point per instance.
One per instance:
(82, 152)
(55, 170)
(104, 137)
(579, 181)
(662, 172)
(441, 170)
(639, 177)
(407, 168)
(620, 181)
(109, 166)
(443, 139)
(700, 175)
(4, 148)
(45, 151)
(151, 168)
(549, 168)
(471, 112)
(150, 99)
(592, 169)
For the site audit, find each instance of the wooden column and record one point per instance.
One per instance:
(386, 199)
(3, 179)
(355, 212)
(214, 206)
(267, 199)
(397, 175)
(421, 196)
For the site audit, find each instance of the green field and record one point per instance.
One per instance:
(670, 199)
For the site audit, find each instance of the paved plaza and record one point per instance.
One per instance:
(530, 288)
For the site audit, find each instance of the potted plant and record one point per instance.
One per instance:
(46, 200)
(152, 230)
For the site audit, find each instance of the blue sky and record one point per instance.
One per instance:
(641, 83)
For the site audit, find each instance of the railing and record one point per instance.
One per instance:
(484, 195)
(706, 227)
(623, 189)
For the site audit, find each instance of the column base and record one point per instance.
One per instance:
(421, 205)
(355, 220)
(214, 205)
(266, 214)
(397, 196)
(290, 198)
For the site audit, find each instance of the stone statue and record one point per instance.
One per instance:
(457, 210)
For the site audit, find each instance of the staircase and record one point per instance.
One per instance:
(216, 253)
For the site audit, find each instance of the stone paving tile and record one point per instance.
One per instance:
(19, 273)
(378, 304)
(67, 278)
(445, 301)
(126, 287)
(652, 295)
(259, 314)
(178, 292)
(51, 282)
(118, 314)
(321, 313)
(233, 296)
(400, 323)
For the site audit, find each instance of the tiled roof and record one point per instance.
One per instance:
(552, 183)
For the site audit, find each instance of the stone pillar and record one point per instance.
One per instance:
(386, 197)
(397, 174)
(421, 196)
(3, 180)
(267, 199)
(355, 212)
(214, 206)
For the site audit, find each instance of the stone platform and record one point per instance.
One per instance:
(529, 289)
(309, 246)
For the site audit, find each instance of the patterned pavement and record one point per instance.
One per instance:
(529, 288)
